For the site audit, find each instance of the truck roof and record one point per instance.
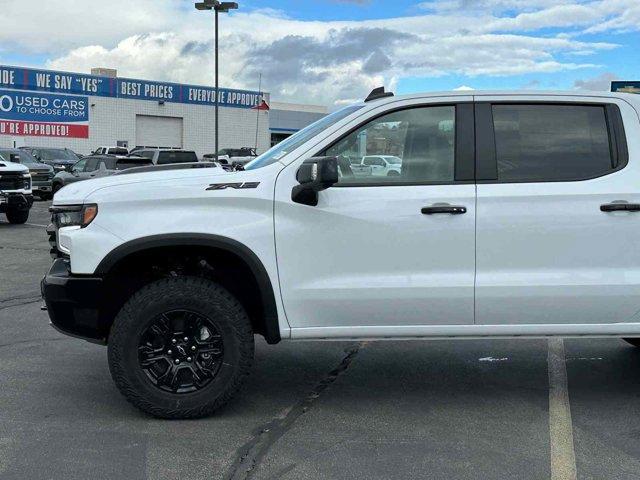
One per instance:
(524, 93)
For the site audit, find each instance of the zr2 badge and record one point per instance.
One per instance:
(237, 186)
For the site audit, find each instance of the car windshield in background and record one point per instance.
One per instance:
(24, 157)
(129, 162)
(118, 151)
(58, 154)
(143, 153)
(165, 158)
(294, 141)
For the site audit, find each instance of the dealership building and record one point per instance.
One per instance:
(81, 112)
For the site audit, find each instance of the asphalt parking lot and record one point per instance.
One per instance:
(438, 410)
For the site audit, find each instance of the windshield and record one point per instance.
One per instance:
(168, 157)
(24, 157)
(294, 141)
(58, 154)
(118, 151)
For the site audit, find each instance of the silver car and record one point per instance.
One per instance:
(95, 167)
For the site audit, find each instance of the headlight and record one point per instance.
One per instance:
(27, 181)
(73, 215)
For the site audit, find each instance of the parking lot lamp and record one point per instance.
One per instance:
(217, 7)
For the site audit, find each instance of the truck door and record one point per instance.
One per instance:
(385, 251)
(557, 220)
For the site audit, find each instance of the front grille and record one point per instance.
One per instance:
(11, 181)
(40, 177)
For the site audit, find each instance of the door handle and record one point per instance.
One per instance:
(444, 208)
(620, 207)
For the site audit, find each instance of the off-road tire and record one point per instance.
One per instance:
(17, 217)
(205, 298)
(633, 341)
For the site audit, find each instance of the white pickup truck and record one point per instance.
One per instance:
(16, 196)
(513, 215)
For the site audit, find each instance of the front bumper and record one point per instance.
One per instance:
(15, 201)
(73, 302)
(41, 187)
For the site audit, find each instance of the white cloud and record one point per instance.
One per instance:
(314, 61)
(601, 83)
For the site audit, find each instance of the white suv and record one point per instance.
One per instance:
(383, 165)
(513, 215)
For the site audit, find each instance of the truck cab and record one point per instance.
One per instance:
(512, 214)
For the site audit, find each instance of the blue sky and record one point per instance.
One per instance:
(335, 51)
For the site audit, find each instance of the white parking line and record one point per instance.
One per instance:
(36, 225)
(563, 457)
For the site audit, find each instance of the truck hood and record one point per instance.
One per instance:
(43, 168)
(78, 192)
(61, 161)
(7, 167)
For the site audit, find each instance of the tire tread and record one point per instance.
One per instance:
(181, 287)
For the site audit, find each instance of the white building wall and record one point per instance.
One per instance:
(113, 119)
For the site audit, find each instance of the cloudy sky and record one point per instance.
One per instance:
(334, 51)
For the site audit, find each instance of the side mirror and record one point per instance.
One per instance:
(314, 175)
(75, 172)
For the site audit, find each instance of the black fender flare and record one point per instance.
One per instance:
(267, 294)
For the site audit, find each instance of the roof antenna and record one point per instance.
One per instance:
(377, 93)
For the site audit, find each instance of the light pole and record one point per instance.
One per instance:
(223, 7)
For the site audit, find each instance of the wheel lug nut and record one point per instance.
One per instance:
(188, 359)
(174, 341)
(169, 352)
(186, 339)
(193, 348)
(177, 361)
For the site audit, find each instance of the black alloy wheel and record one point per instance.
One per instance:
(180, 351)
(181, 347)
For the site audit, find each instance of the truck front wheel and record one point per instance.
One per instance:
(17, 216)
(181, 348)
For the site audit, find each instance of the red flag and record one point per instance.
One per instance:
(263, 106)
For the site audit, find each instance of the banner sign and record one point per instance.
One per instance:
(125, 88)
(43, 114)
(625, 87)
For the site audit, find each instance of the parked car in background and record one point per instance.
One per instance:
(382, 165)
(110, 151)
(97, 166)
(59, 158)
(15, 191)
(234, 156)
(41, 173)
(165, 156)
(223, 162)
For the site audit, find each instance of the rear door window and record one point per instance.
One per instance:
(165, 158)
(91, 165)
(546, 142)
